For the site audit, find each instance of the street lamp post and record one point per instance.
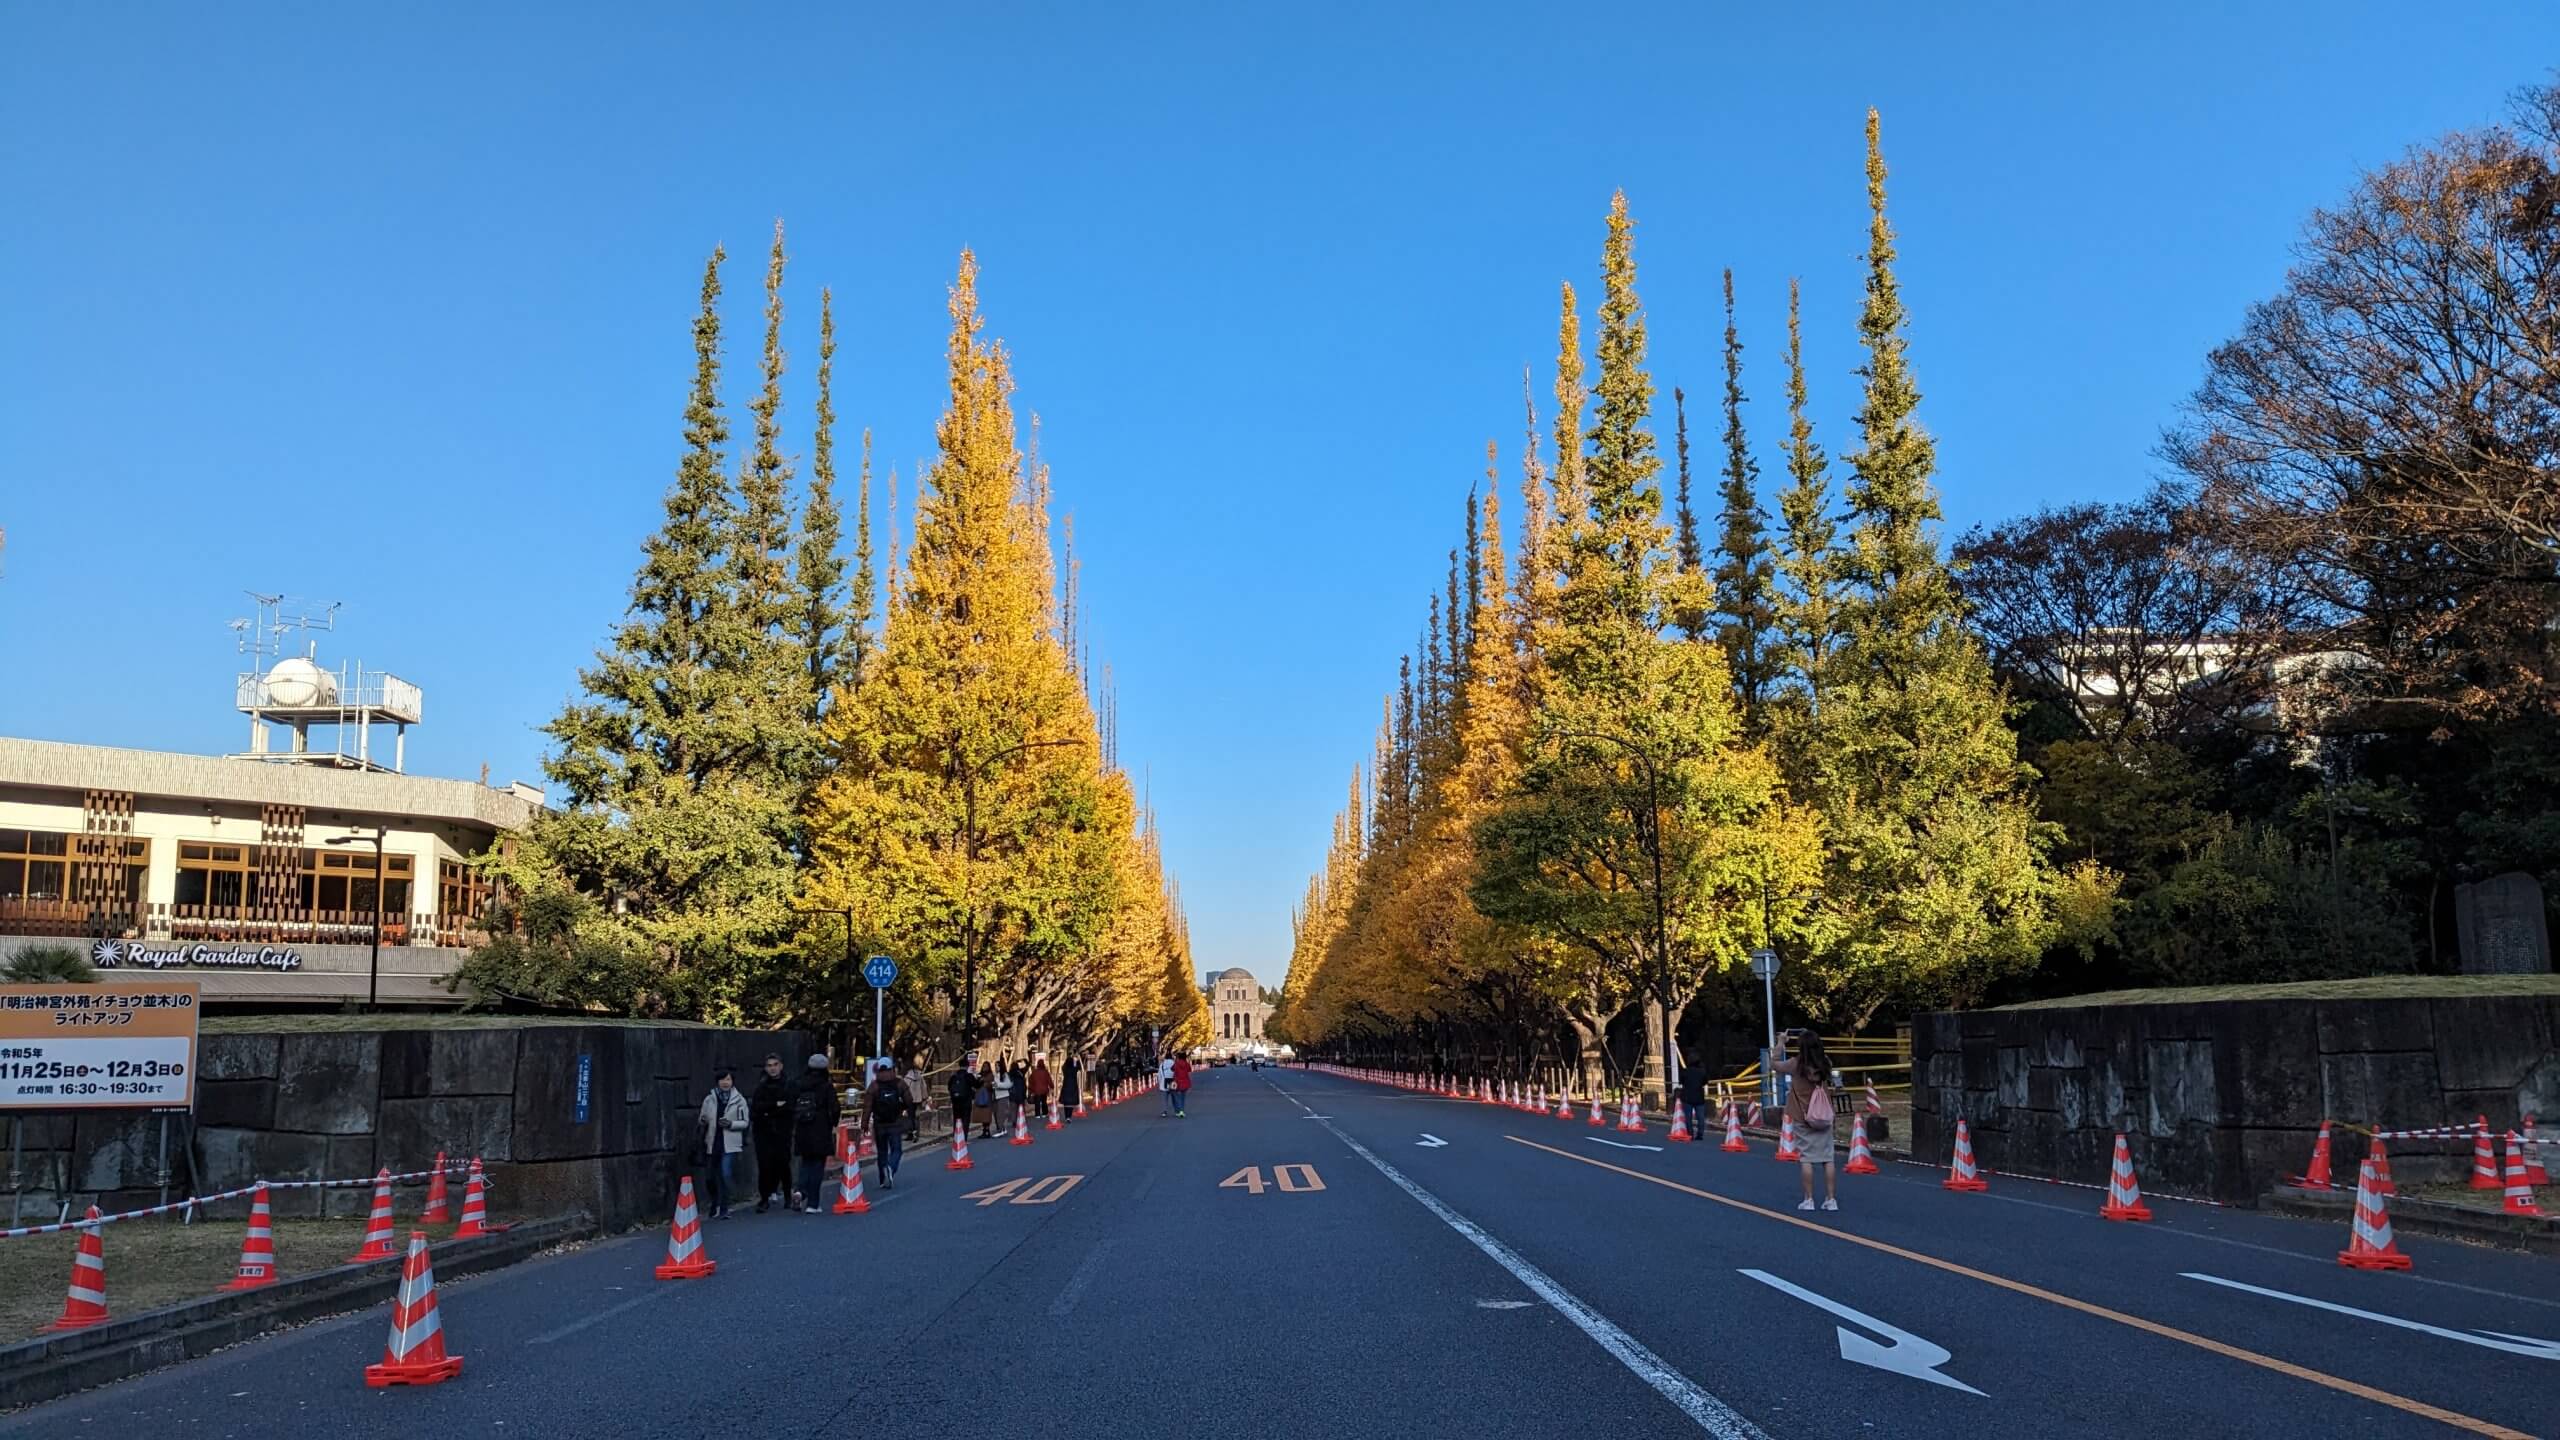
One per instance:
(969, 869)
(1649, 834)
(373, 966)
(847, 913)
(1764, 963)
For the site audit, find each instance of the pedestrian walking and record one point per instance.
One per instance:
(1693, 1096)
(1808, 1072)
(1021, 1086)
(891, 1104)
(814, 1111)
(720, 1131)
(963, 1090)
(1008, 1101)
(1181, 1086)
(769, 1114)
(1164, 1086)
(1073, 1094)
(919, 1096)
(1041, 1086)
(982, 1105)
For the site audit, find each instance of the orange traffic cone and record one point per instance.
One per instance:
(1596, 1121)
(1862, 1161)
(2534, 1173)
(2519, 1199)
(2317, 1177)
(1679, 1122)
(849, 1200)
(1022, 1125)
(2124, 1191)
(475, 1205)
(438, 1211)
(2369, 1244)
(960, 1148)
(2381, 1159)
(1787, 1140)
(1630, 1119)
(1733, 1127)
(1054, 1122)
(86, 1302)
(2484, 1157)
(1960, 1174)
(379, 1241)
(1538, 1101)
(415, 1354)
(685, 1257)
(258, 1247)
(1564, 1106)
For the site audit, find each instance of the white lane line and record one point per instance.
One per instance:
(607, 1313)
(1711, 1414)
(1622, 1145)
(2524, 1345)
(1077, 1282)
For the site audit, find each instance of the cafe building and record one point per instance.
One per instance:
(269, 876)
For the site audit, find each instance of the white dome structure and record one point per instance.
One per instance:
(299, 684)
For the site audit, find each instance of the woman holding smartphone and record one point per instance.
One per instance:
(1808, 1072)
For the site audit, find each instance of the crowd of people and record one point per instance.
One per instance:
(797, 1118)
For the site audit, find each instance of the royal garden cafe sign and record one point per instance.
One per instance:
(65, 1047)
(134, 955)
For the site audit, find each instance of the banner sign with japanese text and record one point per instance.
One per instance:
(98, 1046)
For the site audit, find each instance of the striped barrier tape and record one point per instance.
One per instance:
(191, 1202)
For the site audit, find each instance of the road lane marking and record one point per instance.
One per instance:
(1077, 1282)
(2169, 1332)
(2524, 1345)
(607, 1313)
(1622, 1145)
(1907, 1355)
(1430, 1141)
(1503, 1304)
(1711, 1414)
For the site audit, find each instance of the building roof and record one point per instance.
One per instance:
(1238, 973)
(54, 764)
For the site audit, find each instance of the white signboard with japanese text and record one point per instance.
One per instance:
(65, 1047)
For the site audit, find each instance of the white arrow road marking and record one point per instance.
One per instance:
(1908, 1354)
(2524, 1345)
(1430, 1141)
(1622, 1145)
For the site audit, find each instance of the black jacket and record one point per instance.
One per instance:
(1693, 1087)
(1074, 1091)
(963, 1089)
(889, 1100)
(814, 1109)
(769, 1110)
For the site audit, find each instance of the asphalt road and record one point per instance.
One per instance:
(1520, 1278)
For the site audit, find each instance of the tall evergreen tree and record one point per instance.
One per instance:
(825, 630)
(1807, 606)
(1692, 557)
(1938, 868)
(862, 607)
(1744, 580)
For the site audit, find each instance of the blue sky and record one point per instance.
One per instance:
(391, 308)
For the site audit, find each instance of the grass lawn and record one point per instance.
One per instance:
(156, 1262)
(2371, 987)
(412, 1020)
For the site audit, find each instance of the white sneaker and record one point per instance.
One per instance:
(1830, 1204)
(1804, 1204)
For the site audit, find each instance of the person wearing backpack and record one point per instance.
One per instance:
(1809, 1105)
(813, 1130)
(769, 1112)
(891, 1103)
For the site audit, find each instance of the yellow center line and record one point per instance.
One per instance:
(2171, 1332)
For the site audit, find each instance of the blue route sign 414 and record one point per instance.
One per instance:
(881, 971)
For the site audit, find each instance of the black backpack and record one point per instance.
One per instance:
(804, 1106)
(889, 1100)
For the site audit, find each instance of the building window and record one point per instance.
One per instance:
(340, 881)
(34, 865)
(212, 875)
(460, 891)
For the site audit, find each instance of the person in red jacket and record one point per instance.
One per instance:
(1181, 1084)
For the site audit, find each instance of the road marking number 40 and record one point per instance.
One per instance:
(1291, 1179)
(1026, 1191)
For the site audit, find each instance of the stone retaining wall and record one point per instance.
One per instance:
(2222, 1099)
(302, 1105)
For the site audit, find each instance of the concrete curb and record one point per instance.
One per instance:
(2424, 1217)
(52, 1366)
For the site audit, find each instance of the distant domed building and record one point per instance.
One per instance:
(1237, 1010)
